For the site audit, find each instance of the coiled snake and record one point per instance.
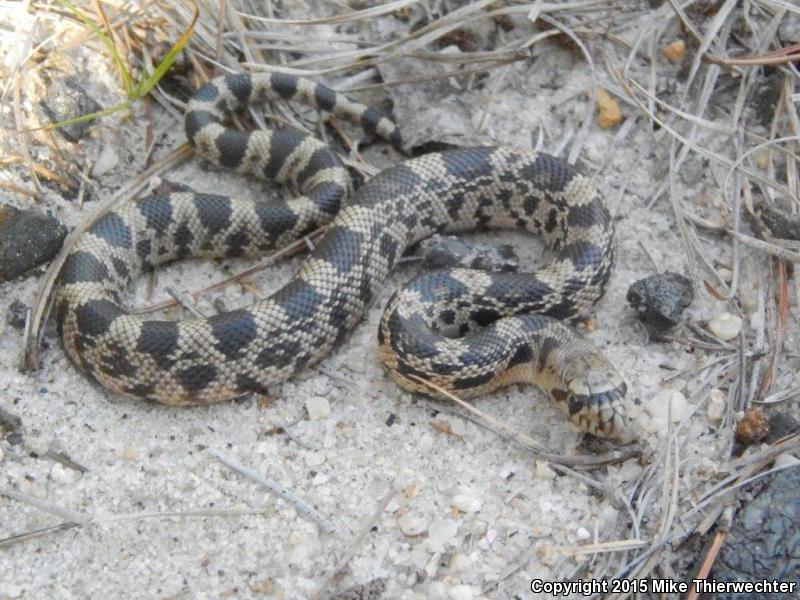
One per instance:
(510, 324)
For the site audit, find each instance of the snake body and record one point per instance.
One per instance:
(511, 326)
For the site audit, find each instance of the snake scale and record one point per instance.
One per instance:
(467, 331)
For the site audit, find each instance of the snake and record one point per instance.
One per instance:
(455, 331)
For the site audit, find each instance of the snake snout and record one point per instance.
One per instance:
(595, 399)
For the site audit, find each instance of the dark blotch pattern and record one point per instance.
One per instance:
(237, 242)
(234, 331)
(232, 146)
(183, 240)
(299, 300)
(548, 345)
(195, 121)
(120, 267)
(113, 229)
(370, 119)
(94, 317)
(248, 383)
(83, 267)
(285, 85)
(468, 165)
(472, 382)
(197, 378)
(523, 354)
(214, 212)
(143, 250)
(159, 340)
(282, 144)
(484, 316)
(325, 97)
(322, 158)
(157, 211)
(241, 86)
(279, 355)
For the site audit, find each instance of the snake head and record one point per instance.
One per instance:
(593, 395)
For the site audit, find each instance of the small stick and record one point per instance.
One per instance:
(285, 251)
(354, 545)
(531, 444)
(184, 301)
(708, 562)
(65, 513)
(302, 507)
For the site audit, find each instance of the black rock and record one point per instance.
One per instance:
(661, 298)
(17, 314)
(780, 223)
(780, 424)
(763, 542)
(766, 95)
(27, 239)
(66, 99)
(445, 251)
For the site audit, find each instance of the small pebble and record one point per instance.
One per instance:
(66, 99)
(675, 51)
(716, 405)
(38, 444)
(547, 553)
(583, 534)
(460, 562)
(665, 404)
(412, 525)
(542, 470)
(437, 591)
(467, 503)
(629, 470)
(441, 534)
(608, 111)
(785, 459)
(318, 408)
(107, 161)
(61, 474)
(128, 454)
(725, 326)
(752, 428)
(461, 592)
(17, 314)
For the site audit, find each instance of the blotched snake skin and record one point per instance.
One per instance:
(467, 331)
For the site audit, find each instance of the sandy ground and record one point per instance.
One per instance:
(469, 514)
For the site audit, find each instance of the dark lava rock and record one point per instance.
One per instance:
(27, 239)
(445, 251)
(781, 224)
(66, 99)
(17, 314)
(764, 541)
(661, 298)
